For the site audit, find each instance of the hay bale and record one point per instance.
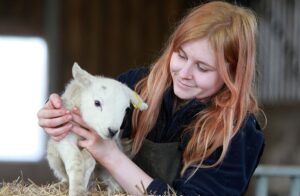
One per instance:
(20, 187)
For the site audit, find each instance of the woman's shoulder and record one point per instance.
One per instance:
(132, 76)
(249, 142)
(251, 127)
(249, 139)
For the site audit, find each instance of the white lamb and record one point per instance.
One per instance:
(102, 102)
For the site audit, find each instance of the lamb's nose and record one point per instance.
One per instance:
(112, 132)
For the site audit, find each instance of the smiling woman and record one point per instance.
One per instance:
(23, 82)
(193, 70)
(199, 134)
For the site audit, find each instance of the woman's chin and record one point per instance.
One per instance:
(182, 94)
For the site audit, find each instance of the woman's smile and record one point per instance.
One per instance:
(183, 84)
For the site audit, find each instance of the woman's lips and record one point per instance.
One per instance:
(184, 85)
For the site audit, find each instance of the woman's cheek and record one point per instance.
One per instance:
(204, 81)
(175, 63)
(209, 81)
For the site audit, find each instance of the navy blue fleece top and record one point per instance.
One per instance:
(231, 177)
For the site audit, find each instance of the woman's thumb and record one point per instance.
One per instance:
(56, 101)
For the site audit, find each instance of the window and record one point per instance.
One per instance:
(23, 84)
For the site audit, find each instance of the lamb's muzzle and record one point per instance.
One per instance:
(112, 132)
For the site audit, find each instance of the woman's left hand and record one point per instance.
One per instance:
(100, 149)
(107, 153)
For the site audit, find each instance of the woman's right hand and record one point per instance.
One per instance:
(54, 119)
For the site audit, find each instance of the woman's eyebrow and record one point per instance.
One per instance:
(198, 61)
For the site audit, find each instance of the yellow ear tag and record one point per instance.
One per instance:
(140, 102)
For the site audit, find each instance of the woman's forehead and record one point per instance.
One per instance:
(200, 50)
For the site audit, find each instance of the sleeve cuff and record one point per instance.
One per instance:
(158, 187)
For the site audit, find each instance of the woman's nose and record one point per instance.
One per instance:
(186, 72)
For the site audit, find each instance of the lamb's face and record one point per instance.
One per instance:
(104, 101)
(103, 106)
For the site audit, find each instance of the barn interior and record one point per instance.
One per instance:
(108, 37)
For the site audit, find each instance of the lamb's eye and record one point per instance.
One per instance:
(97, 103)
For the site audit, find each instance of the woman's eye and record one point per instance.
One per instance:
(200, 68)
(97, 103)
(181, 56)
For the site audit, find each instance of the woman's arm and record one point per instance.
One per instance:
(106, 152)
(127, 173)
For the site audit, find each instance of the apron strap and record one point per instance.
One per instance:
(160, 160)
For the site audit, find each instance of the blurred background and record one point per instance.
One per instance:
(40, 40)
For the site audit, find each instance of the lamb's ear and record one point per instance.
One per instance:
(135, 99)
(82, 76)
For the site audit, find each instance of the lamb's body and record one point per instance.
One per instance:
(72, 164)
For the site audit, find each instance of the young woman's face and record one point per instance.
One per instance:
(193, 70)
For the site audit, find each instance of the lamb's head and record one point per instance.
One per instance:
(104, 102)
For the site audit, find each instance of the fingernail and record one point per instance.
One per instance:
(75, 108)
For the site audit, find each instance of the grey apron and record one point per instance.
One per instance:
(160, 160)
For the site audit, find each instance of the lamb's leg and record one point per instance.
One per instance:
(55, 161)
(75, 168)
(89, 166)
(76, 175)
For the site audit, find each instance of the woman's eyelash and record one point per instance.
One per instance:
(201, 69)
(181, 56)
(198, 65)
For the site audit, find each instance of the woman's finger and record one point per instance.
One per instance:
(76, 110)
(55, 132)
(60, 137)
(52, 113)
(82, 132)
(54, 122)
(93, 131)
(78, 119)
(54, 102)
(83, 143)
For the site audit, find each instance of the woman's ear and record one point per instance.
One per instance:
(82, 76)
(135, 99)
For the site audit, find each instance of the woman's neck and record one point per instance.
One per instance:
(179, 103)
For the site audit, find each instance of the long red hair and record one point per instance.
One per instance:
(231, 31)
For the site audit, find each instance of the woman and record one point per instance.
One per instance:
(199, 135)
